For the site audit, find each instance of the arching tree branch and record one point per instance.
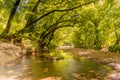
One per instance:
(65, 10)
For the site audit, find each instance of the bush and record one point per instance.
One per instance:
(114, 48)
(60, 54)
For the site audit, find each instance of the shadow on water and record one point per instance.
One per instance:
(66, 69)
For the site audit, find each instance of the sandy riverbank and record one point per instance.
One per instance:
(8, 52)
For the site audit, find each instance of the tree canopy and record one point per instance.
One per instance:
(51, 23)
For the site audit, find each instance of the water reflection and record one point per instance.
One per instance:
(67, 69)
(13, 69)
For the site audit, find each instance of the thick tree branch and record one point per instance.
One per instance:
(46, 33)
(30, 18)
(57, 21)
(35, 7)
(66, 10)
(53, 30)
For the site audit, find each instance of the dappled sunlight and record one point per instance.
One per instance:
(68, 68)
(59, 39)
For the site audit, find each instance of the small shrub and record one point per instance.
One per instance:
(114, 48)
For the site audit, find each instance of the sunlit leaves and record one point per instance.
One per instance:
(94, 21)
(98, 18)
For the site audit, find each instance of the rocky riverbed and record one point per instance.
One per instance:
(8, 52)
(105, 57)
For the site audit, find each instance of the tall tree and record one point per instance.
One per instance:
(13, 11)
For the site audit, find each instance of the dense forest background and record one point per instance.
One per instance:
(91, 24)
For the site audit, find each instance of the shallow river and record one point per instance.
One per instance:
(67, 69)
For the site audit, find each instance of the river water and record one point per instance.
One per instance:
(71, 68)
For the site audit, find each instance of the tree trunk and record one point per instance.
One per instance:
(117, 38)
(97, 42)
(30, 19)
(12, 14)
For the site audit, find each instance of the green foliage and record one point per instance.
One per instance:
(92, 23)
(1, 29)
(60, 53)
(97, 29)
(61, 37)
(114, 48)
